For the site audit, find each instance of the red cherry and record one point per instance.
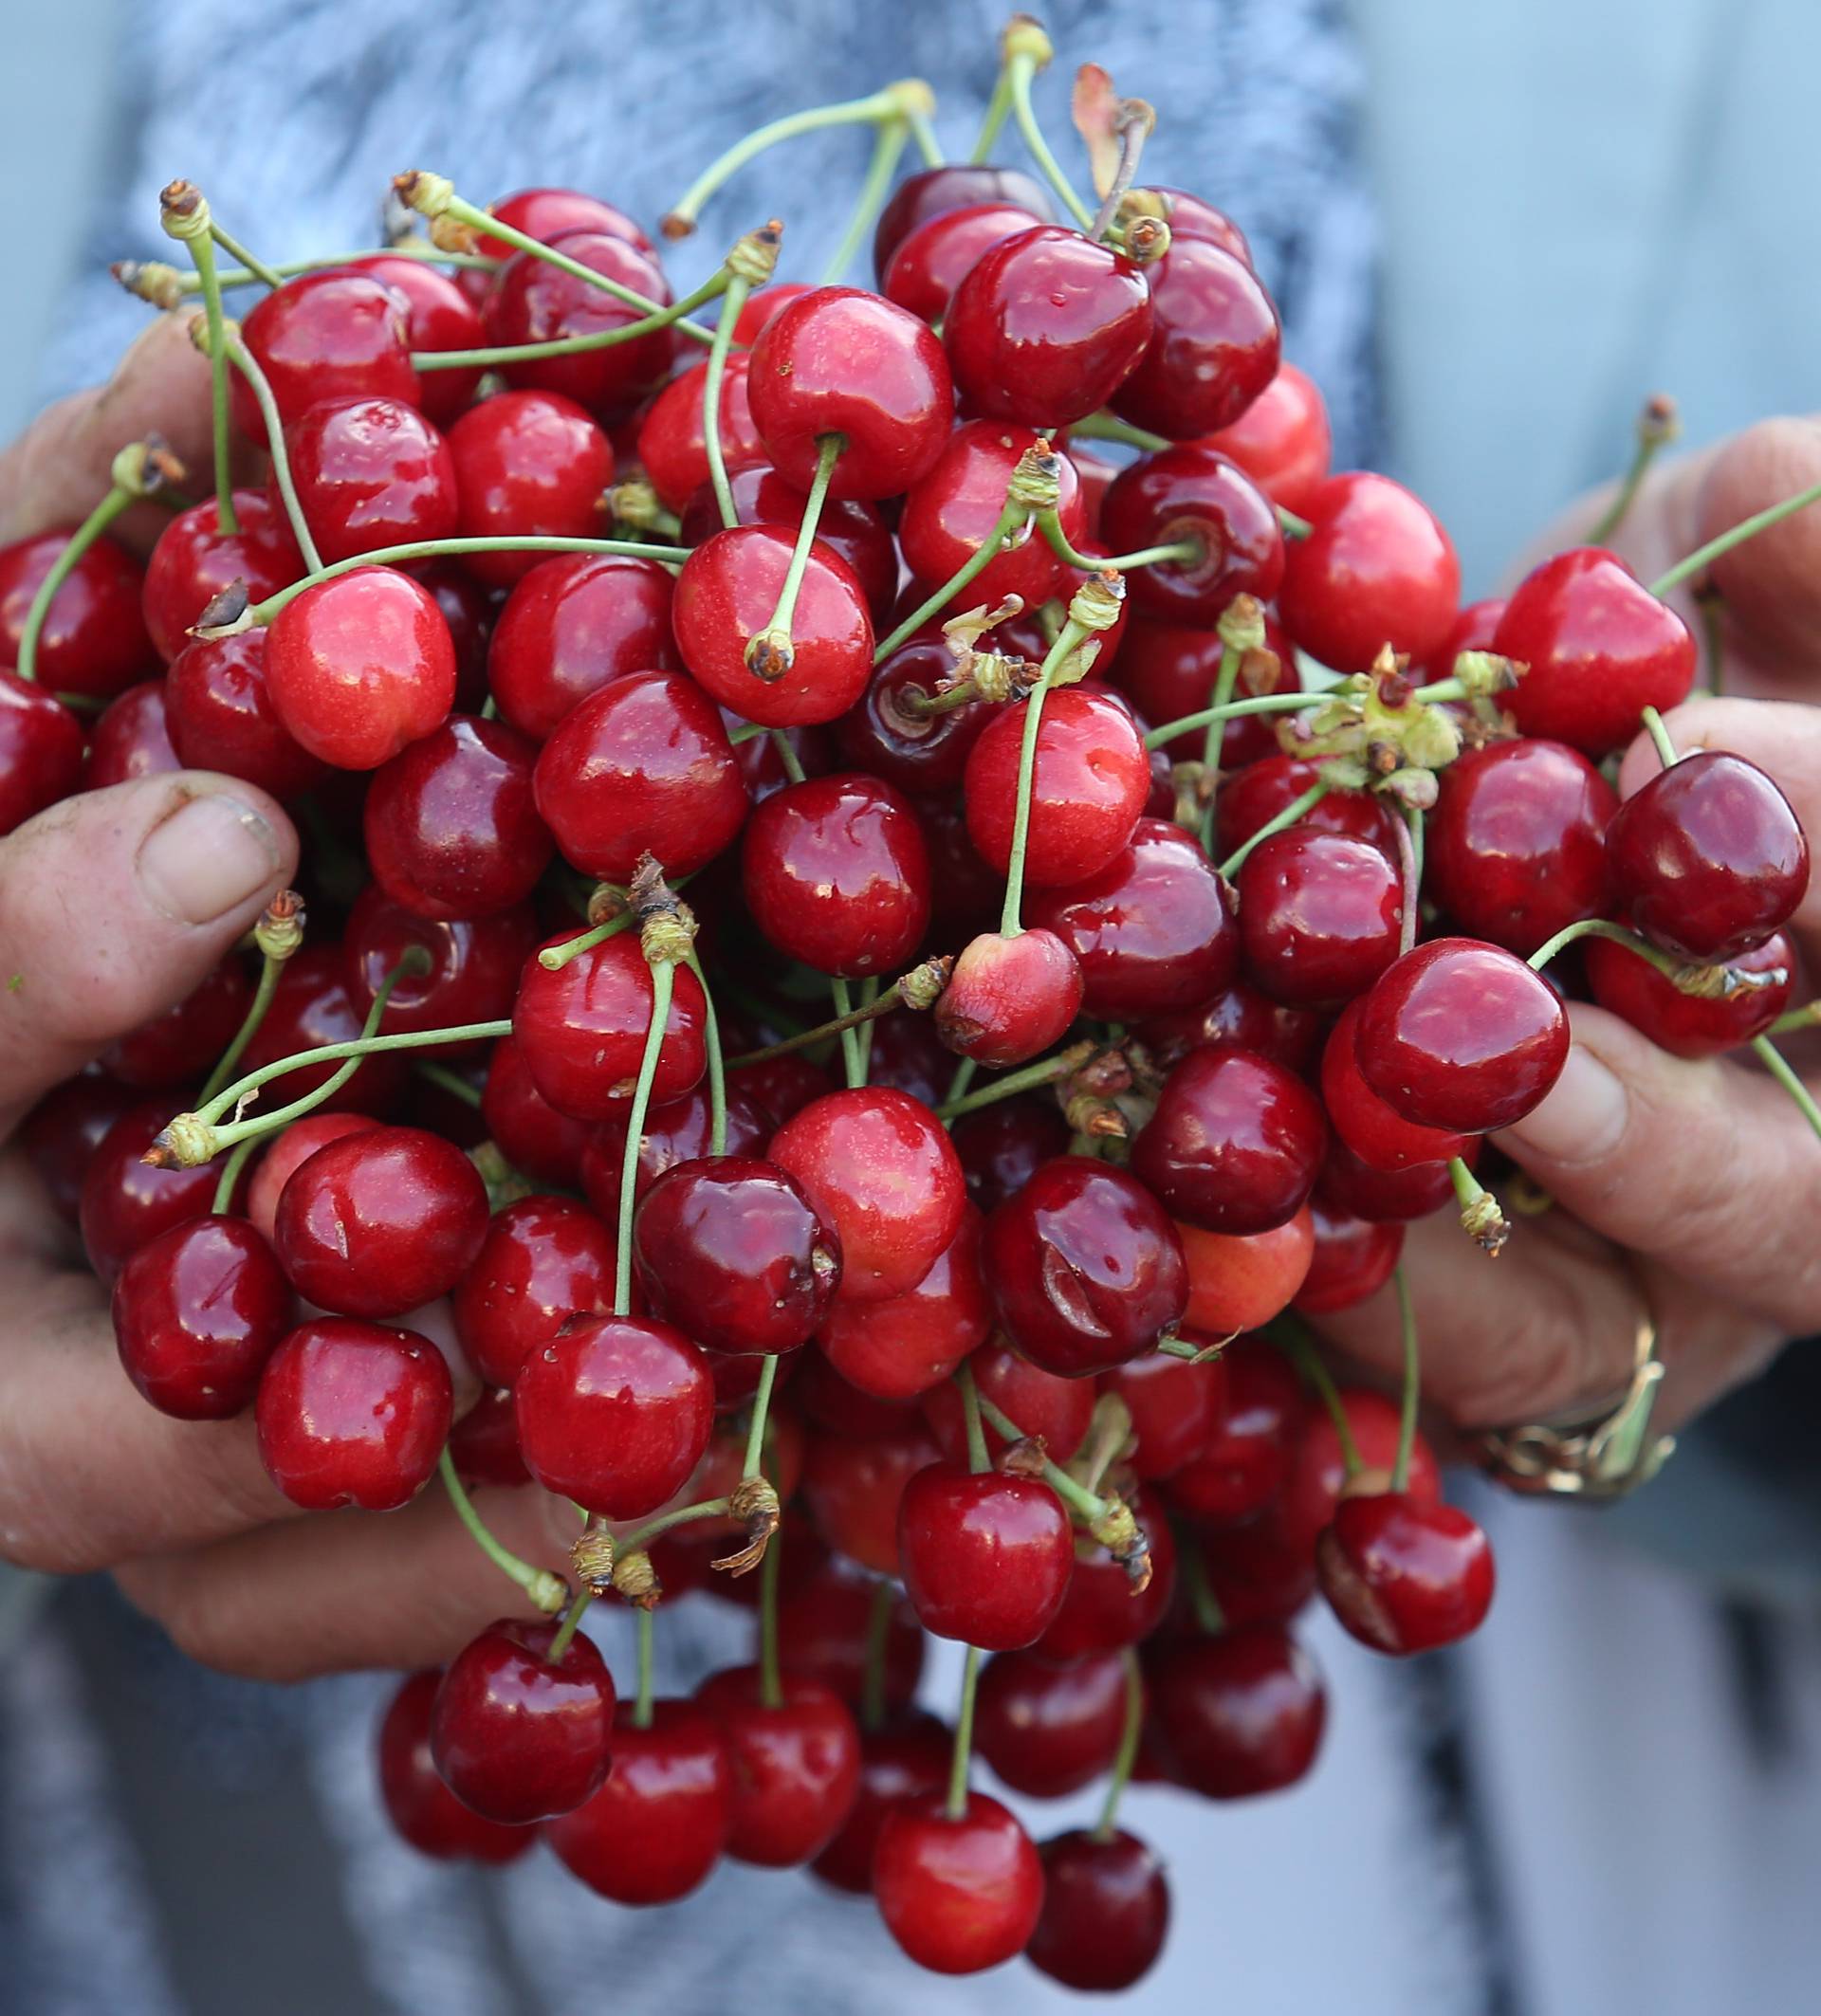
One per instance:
(528, 464)
(289, 1150)
(222, 716)
(1194, 216)
(1237, 1014)
(534, 1139)
(986, 1558)
(1240, 1714)
(196, 1313)
(484, 1444)
(1102, 1611)
(840, 361)
(1598, 647)
(1317, 1479)
(614, 1413)
(1214, 347)
(1680, 1023)
(1262, 790)
(888, 734)
(534, 301)
(656, 1830)
(849, 527)
(1153, 931)
(958, 1893)
(673, 440)
(1087, 787)
(679, 1132)
(1234, 1144)
(1387, 1197)
(1001, 1145)
(1173, 1404)
(473, 967)
(359, 666)
(186, 1039)
(1354, 1258)
(438, 316)
(898, 1349)
(725, 595)
(125, 1203)
(194, 560)
(61, 1134)
(906, 1758)
(795, 1766)
(934, 192)
(930, 261)
(582, 1029)
(1474, 630)
(1046, 326)
(949, 514)
(1039, 1405)
(853, 1487)
(1048, 1730)
(380, 1221)
(130, 739)
(370, 474)
(517, 1736)
(1514, 846)
(423, 1809)
(762, 306)
(331, 335)
(353, 1413)
(1167, 670)
(1460, 1035)
(93, 640)
(879, 1170)
(41, 751)
(1406, 1576)
(1377, 569)
(1254, 1577)
(1009, 998)
(1319, 917)
(547, 214)
(1283, 440)
(1246, 1458)
(1376, 1133)
(543, 1259)
(570, 626)
(828, 1624)
(1236, 1283)
(1106, 1911)
(312, 1007)
(1085, 1269)
(1708, 858)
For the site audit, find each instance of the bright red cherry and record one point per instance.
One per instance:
(1102, 1611)
(1167, 669)
(1708, 858)
(370, 474)
(1237, 1282)
(1240, 1014)
(534, 1139)
(679, 1132)
(438, 316)
(1320, 916)
(1235, 1145)
(196, 1314)
(194, 560)
(289, 1150)
(547, 214)
(93, 640)
(41, 751)
(840, 361)
(571, 625)
(949, 514)
(959, 1893)
(1246, 1458)
(528, 463)
(1597, 648)
(1319, 1481)
(125, 1203)
(1684, 1024)
(849, 527)
(796, 1764)
(1106, 1911)
(891, 734)
(987, 1558)
(672, 441)
(1001, 1144)
(1087, 787)
(904, 1759)
(534, 301)
(1377, 569)
(1460, 1035)
(957, 185)
(543, 1259)
(1084, 1266)
(1515, 848)
(879, 1170)
(1049, 1729)
(898, 1349)
(130, 739)
(1242, 1714)
(1046, 326)
(1393, 1197)
(1404, 1575)
(1039, 1405)
(1214, 347)
(353, 1413)
(582, 1029)
(1376, 1133)
(423, 1809)
(1009, 998)
(1194, 493)
(1173, 1404)
(222, 716)
(931, 261)
(314, 1006)
(656, 1829)
(517, 1736)
(331, 335)
(1282, 439)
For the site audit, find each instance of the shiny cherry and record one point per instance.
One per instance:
(1008, 998)
(1247, 1456)
(1215, 343)
(571, 625)
(438, 316)
(849, 527)
(222, 716)
(1263, 789)
(986, 1558)
(93, 640)
(1405, 1575)
(957, 185)
(931, 261)
(1049, 1729)
(370, 474)
(194, 560)
(547, 214)
(1377, 1133)
(1003, 1143)
(1393, 1197)
(1318, 1474)
(313, 1006)
(125, 1203)
(41, 751)
(852, 1486)
(527, 463)
(796, 1764)
(949, 514)
(1106, 1911)
(898, 1349)
(423, 1809)
(353, 1414)
(1239, 1014)
(1319, 917)
(131, 737)
(1194, 216)
(673, 440)
(678, 1131)
(472, 972)
(1282, 439)
(1354, 1258)
(905, 1758)
(289, 1150)
(1173, 1404)
(1684, 1024)
(1194, 493)
(534, 1139)
(581, 1030)
(1242, 1714)
(1234, 1144)
(534, 301)
(543, 1259)
(1102, 1612)
(1237, 1281)
(891, 734)
(1043, 1406)
(196, 1313)
(331, 335)
(1377, 569)
(957, 1893)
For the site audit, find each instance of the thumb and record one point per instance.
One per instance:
(1772, 583)
(113, 906)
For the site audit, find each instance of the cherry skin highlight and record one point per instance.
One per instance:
(795, 1766)
(1235, 1145)
(543, 1259)
(419, 1806)
(987, 1558)
(332, 335)
(958, 1894)
(528, 464)
(573, 622)
(1319, 917)
(1049, 1729)
(1215, 343)
(370, 474)
(582, 1029)
(196, 1313)
(1404, 1575)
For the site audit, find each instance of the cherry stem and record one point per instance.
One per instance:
(1214, 737)
(1293, 1339)
(662, 985)
(1409, 861)
(717, 1064)
(1710, 605)
(775, 638)
(786, 755)
(1076, 1495)
(1304, 802)
(447, 1081)
(1660, 735)
(269, 973)
(548, 1591)
(554, 958)
(1234, 710)
(647, 1615)
(258, 385)
(1201, 1599)
(566, 1630)
(1192, 1354)
(1186, 551)
(1746, 528)
(978, 1458)
(1774, 1062)
(270, 276)
(1073, 634)
(847, 1019)
(771, 1690)
(1670, 968)
(267, 275)
(761, 1409)
(202, 252)
(869, 999)
(963, 1078)
(1020, 67)
(237, 1159)
(732, 303)
(685, 1515)
(493, 357)
(878, 1641)
(963, 1753)
(888, 146)
(999, 109)
(1129, 1736)
(1412, 1375)
(853, 1018)
(1656, 428)
(84, 535)
(1010, 517)
(1807, 1017)
(1109, 427)
(1046, 1071)
(1291, 525)
(1134, 132)
(924, 134)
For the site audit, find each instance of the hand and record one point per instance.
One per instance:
(1688, 1185)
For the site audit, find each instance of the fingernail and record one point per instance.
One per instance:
(207, 858)
(1582, 1119)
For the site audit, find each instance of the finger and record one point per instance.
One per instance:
(1772, 583)
(59, 469)
(352, 1590)
(115, 904)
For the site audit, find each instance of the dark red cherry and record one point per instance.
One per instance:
(906, 1758)
(125, 1203)
(1354, 1258)
(1237, 1014)
(878, 1170)
(543, 1259)
(986, 1558)
(380, 1221)
(1039, 1405)
(581, 1030)
(196, 1313)
(898, 1349)
(331, 335)
(672, 438)
(1173, 1404)
(222, 716)
(353, 1413)
(951, 512)
(1001, 1144)
(654, 1831)
(534, 1139)
(194, 560)
(534, 301)
(484, 1444)
(1263, 789)
(1318, 1470)
(1404, 1575)
(1009, 998)
(1106, 1911)
(516, 1736)
(1377, 569)
(93, 640)
(438, 316)
(725, 595)
(186, 1039)
(1087, 787)
(1597, 648)
(1152, 930)
(1194, 216)
(130, 739)
(853, 1487)
(1375, 1132)
(796, 1764)
(959, 1893)
(547, 214)
(1084, 1267)
(423, 1809)
(370, 474)
(1246, 1458)
(527, 463)
(849, 527)
(934, 192)
(678, 1131)
(63, 1132)
(1046, 326)
(1242, 1714)
(1234, 1144)
(933, 259)
(1708, 858)
(1214, 345)
(829, 1621)
(1194, 493)
(1319, 917)
(41, 751)
(907, 1054)
(835, 874)
(1387, 1197)
(1283, 440)
(1460, 1035)
(1049, 1729)
(574, 623)
(1684, 1024)
(889, 733)
(1169, 671)
(731, 1253)
(1102, 1611)
(614, 1413)
(1515, 848)
(1255, 1576)
(314, 1006)
(473, 967)
(838, 361)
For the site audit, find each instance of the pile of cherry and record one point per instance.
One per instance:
(1168, 991)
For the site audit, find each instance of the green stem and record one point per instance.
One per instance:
(717, 1064)
(637, 1541)
(924, 134)
(963, 1753)
(1233, 710)
(888, 146)
(1045, 1071)
(547, 1591)
(1019, 73)
(847, 1019)
(1076, 1495)
(497, 355)
(234, 249)
(1746, 528)
(202, 251)
(1202, 1601)
(1644, 453)
(662, 985)
(1660, 735)
(1774, 1062)
(1290, 1337)
(449, 1082)
(1412, 1375)
(554, 958)
(866, 1012)
(760, 1410)
(269, 276)
(1049, 524)
(566, 1630)
(1304, 802)
(1073, 634)
(1808, 1018)
(1010, 517)
(869, 1000)
(999, 109)
(245, 363)
(771, 1688)
(786, 755)
(238, 1158)
(878, 1644)
(1409, 861)
(270, 972)
(1129, 1739)
(978, 1458)
(60, 568)
(828, 453)
(642, 1703)
(1599, 927)
(1109, 427)
(1214, 736)
(732, 303)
